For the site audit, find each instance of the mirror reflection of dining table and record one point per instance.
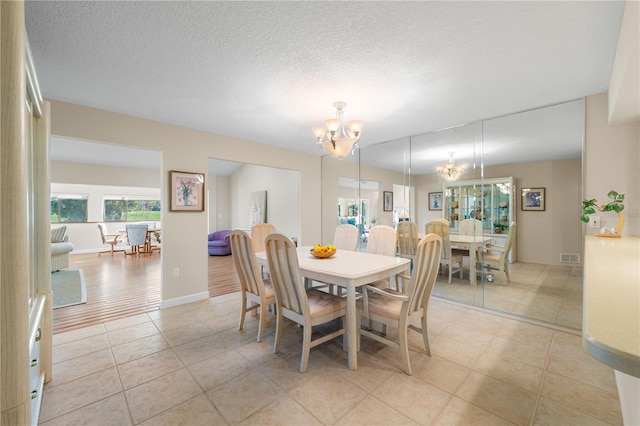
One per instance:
(349, 270)
(473, 243)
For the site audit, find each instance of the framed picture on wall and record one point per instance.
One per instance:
(388, 201)
(435, 201)
(187, 191)
(533, 199)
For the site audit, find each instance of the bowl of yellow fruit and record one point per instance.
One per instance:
(323, 252)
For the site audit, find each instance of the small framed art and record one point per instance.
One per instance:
(187, 191)
(388, 201)
(533, 199)
(435, 201)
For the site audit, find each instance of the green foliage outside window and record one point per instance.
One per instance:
(68, 210)
(131, 210)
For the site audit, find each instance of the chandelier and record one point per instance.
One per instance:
(333, 137)
(451, 171)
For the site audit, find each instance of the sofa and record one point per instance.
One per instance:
(219, 244)
(60, 249)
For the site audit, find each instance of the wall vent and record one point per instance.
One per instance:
(569, 258)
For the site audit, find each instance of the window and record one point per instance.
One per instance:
(123, 209)
(68, 208)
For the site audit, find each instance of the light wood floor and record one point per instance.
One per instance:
(119, 287)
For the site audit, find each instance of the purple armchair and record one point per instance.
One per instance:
(219, 244)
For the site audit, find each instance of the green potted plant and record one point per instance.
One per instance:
(615, 205)
(498, 227)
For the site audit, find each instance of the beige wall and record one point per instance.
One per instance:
(185, 234)
(612, 162)
(543, 235)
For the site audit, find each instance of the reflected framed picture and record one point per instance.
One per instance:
(533, 199)
(187, 191)
(435, 201)
(388, 201)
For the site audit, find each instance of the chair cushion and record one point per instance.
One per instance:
(384, 306)
(57, 234)
(321, 303)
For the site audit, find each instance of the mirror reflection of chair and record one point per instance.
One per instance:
(448, 257)
(307, 308)
(111, 239)
(346, 237)
(137, 236)
(257, 293)
(499, 261)
(402, 310)
(407, 234)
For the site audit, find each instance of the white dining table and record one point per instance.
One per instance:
(347, 269)
(471, 243)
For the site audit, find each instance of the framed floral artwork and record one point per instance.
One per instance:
(187, 191)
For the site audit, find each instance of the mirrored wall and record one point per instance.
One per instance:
(536, 152)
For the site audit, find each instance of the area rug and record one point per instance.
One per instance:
(68, 288)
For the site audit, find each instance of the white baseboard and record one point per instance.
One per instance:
(184, 299)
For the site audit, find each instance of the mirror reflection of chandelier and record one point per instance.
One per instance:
(333, 137)
(451, 171)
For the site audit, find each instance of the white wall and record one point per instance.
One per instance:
(283, 201)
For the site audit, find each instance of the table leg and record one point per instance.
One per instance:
(472, 265)
(352, 338)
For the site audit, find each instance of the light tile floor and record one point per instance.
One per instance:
(190, 365)
(551, 293)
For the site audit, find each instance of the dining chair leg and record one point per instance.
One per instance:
(243, 312)
(425, 335)
(306, 348)
(404, 348)
(279, 330)
(262, 323)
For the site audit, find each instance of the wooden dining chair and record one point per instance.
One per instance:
(257, 294)
(346, 237)
(259, 234)
(402, 310)
(307, 308)
(448, 258)
(383, 241)
(111, 239)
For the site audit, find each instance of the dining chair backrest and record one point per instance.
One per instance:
(424, 273)
(407, 234)
(440, 227)
(245, 262)
(470, 227)
(346, 237)
(382, 240)
(137, 233)
(103, 231)
(511, 237)
(285, 276)
(259, 233)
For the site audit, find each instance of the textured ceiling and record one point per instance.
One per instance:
(269, 71)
